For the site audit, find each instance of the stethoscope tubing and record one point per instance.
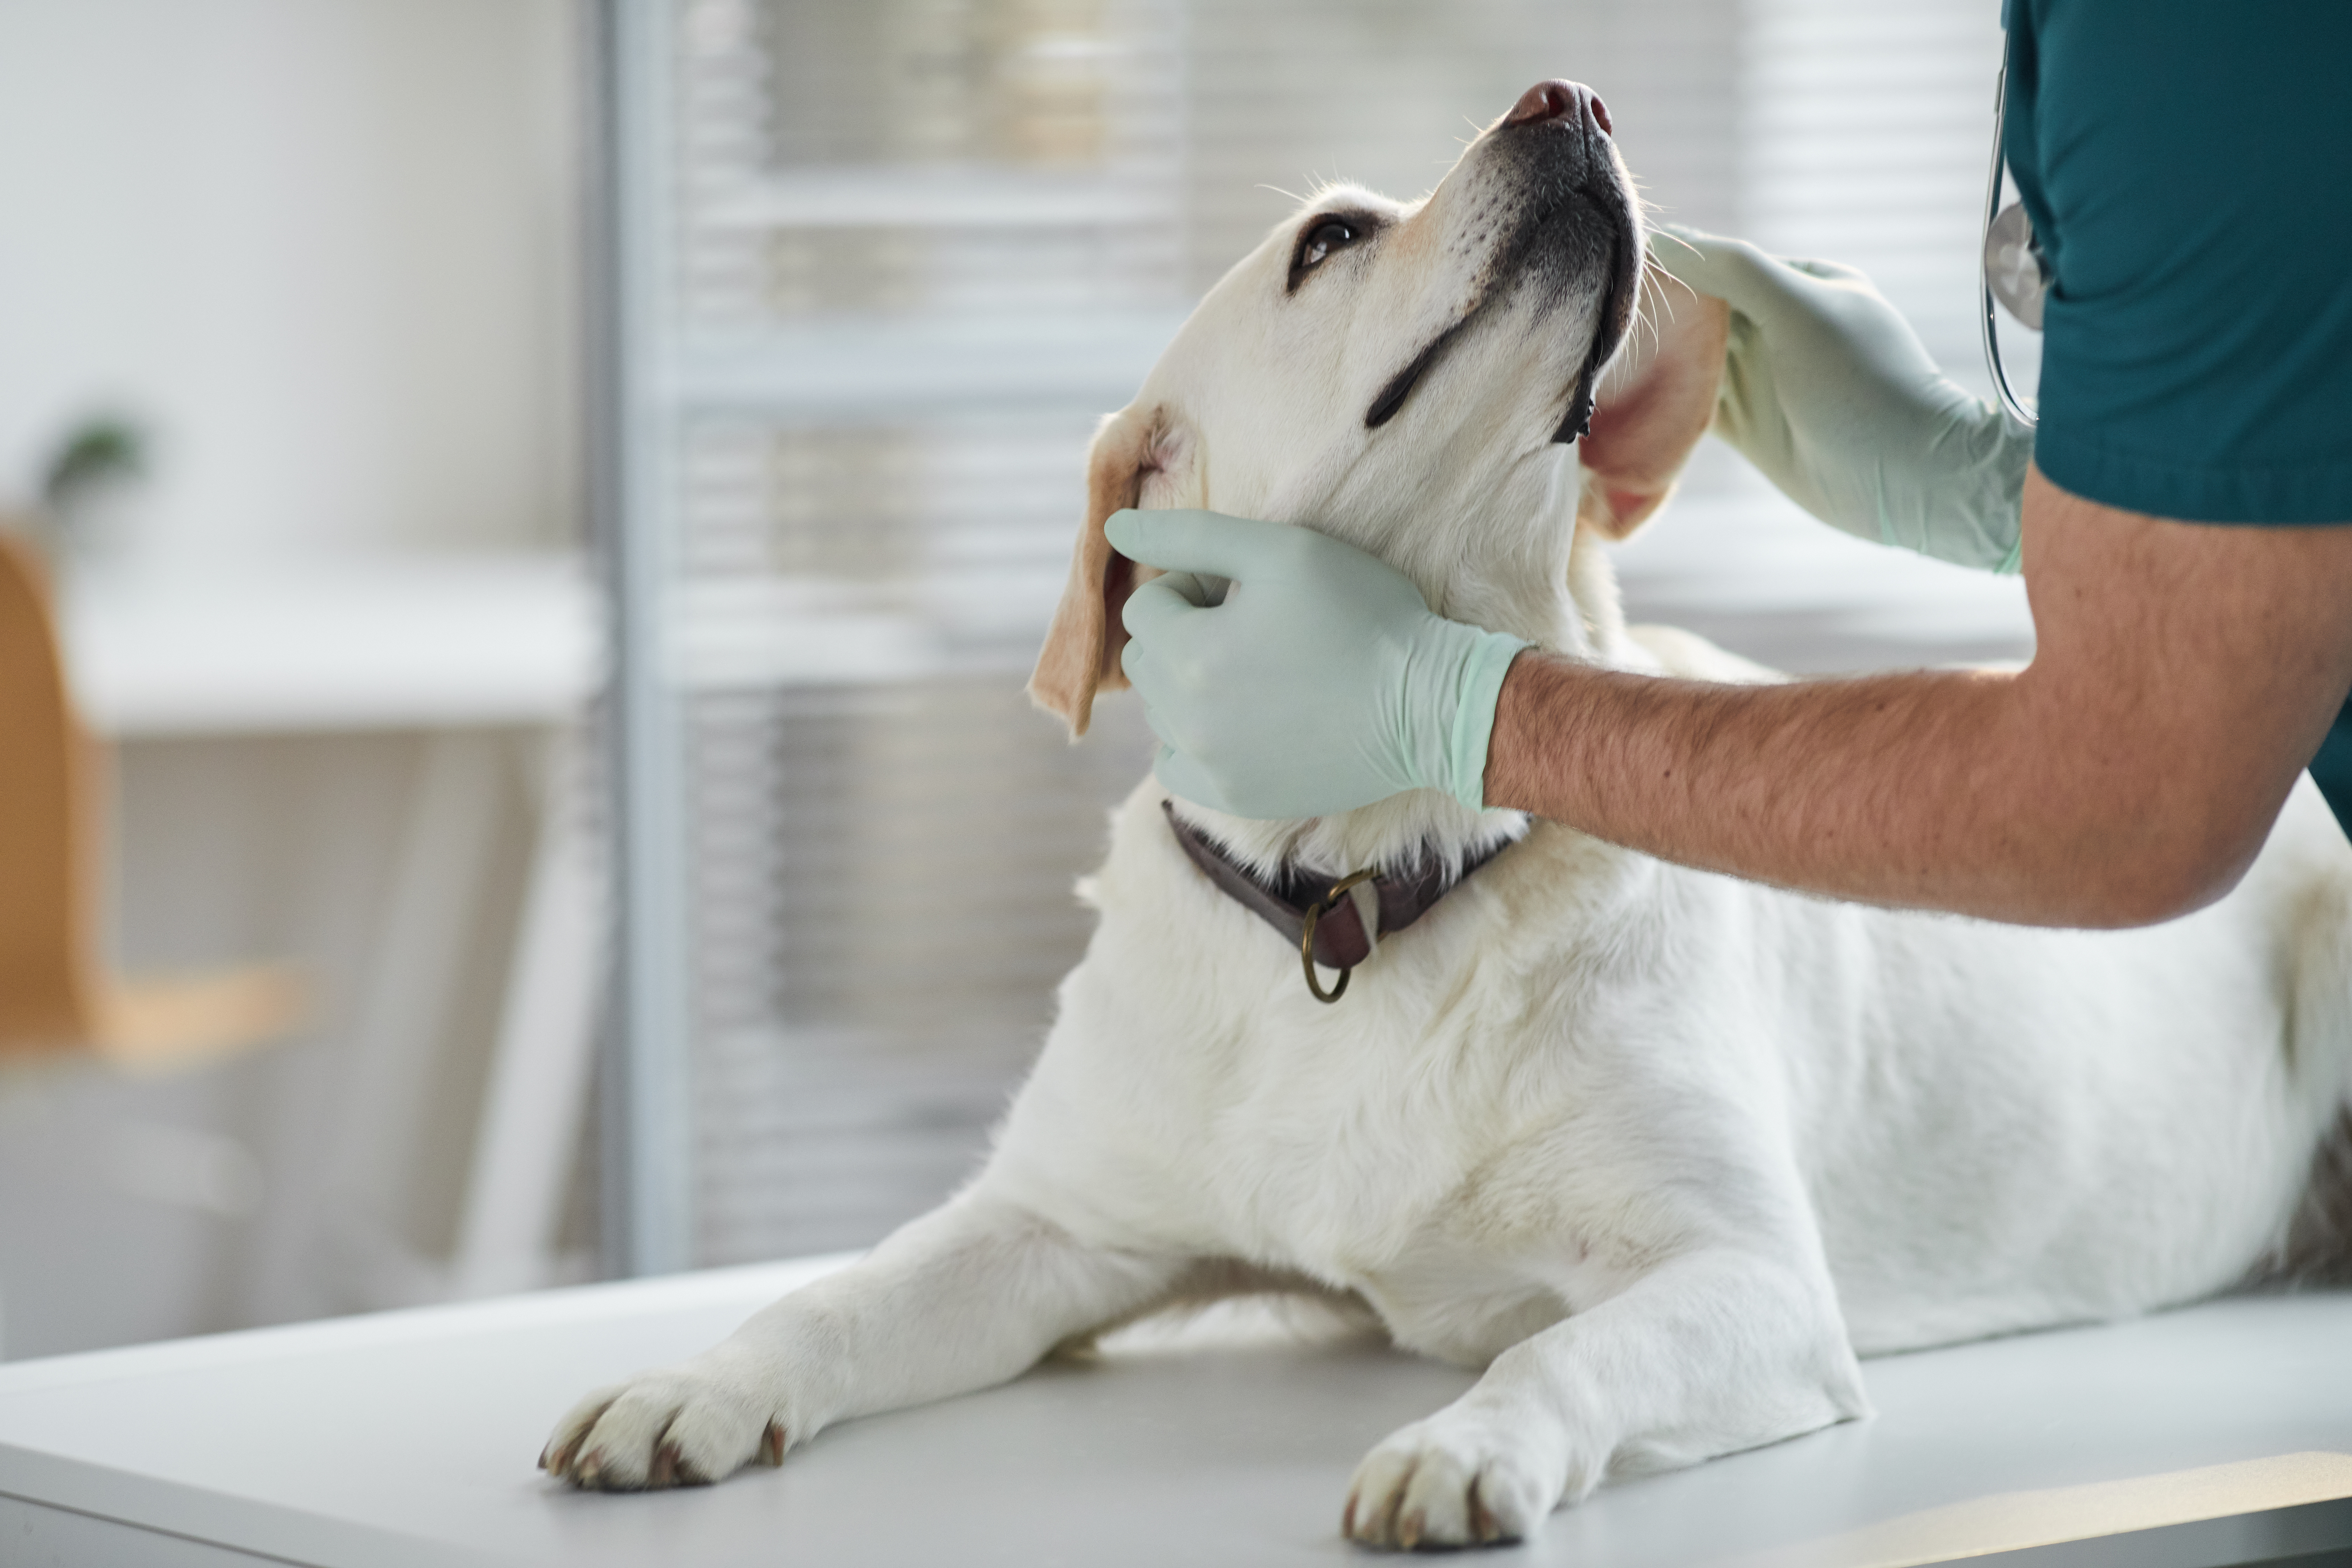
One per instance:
(2008, 399)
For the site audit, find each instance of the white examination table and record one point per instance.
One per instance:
(408, 1437)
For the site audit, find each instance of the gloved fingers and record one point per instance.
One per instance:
(1186, 540)
(1159, 730)
(1135, 663)
(1710, 263)
(1828, 271)
(1750, 280)
(1180, 774)
(1672, 242)
(1162, 691)
(1153, 609)
(1194, 591)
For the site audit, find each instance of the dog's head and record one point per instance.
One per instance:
(1407, 377)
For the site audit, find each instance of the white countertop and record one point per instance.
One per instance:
(326, 643)
(410, 1437)
(281, 644)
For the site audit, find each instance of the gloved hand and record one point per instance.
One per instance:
(1321, 683)
(1828, 390)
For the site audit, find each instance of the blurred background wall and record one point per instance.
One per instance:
(326, 254)
(327, 248)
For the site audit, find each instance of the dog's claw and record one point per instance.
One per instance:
(680, 1428)
(570, 1443)
(1481, 1522)
(1386, 1532)
(1425, 1490)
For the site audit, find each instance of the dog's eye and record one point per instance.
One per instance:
(1325, 239)
(1327, 235)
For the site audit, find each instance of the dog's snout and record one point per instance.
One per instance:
(1566, 103)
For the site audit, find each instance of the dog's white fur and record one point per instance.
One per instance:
(1660, 1150)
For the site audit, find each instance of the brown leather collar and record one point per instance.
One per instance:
(1301, 903)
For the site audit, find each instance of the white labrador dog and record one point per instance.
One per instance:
(1659, 1150)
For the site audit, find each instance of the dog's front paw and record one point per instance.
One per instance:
(1461, 1478)
(682, 1426)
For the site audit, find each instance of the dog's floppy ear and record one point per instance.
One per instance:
(1082, 648)
(1653, 405)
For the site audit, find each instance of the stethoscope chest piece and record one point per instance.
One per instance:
(2013, 268)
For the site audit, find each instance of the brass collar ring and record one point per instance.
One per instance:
(1316, 911)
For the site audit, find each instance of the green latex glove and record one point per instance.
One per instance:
(1828, 390)
(1321, 683)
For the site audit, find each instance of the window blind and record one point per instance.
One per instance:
(1868, 133)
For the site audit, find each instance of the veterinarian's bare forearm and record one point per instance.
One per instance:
(1756, 781)
(2185, 675)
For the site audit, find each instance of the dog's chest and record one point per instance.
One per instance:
(1375, 1199)
(1194, 1093)
(1363, 1149)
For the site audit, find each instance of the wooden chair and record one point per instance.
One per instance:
(57, 995)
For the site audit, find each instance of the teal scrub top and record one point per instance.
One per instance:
(2188, 168)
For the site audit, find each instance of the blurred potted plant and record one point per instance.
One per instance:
(92, 488)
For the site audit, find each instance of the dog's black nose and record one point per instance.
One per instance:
(1569, 102)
